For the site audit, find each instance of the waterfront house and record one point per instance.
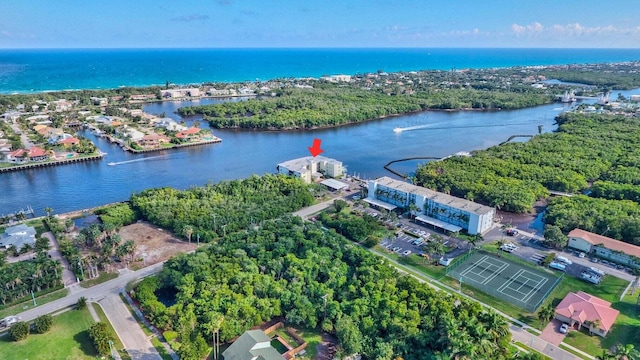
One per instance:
(189, 134)
(587, 311)
(438, 209)
(18, 236)
(20, 156)
(252, 345)
(130, 133)
(219, 92)
(69, 142)
(604, 247)
(153, 140)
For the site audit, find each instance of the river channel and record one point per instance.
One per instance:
(363, 148)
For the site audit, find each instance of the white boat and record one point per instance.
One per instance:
(111, 164)
(397, 130)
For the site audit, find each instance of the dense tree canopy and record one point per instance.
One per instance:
(513, 176)
(288, 268)
(226, 207)
(332, 105)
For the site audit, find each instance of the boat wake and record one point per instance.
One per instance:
(136, 160)
(401, 129)
(429, 126)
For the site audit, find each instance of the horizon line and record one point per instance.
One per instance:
(323, 48)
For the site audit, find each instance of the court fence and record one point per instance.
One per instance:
(461, 259)
(496, 291)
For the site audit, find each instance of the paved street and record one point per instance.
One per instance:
(131, 335)
(92, 294)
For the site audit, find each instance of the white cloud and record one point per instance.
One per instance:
(572, 29)
(534, 27)
(6, 33)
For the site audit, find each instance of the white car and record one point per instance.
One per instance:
(564, 260)
(582, 255)
(406, 252)
(564, 328)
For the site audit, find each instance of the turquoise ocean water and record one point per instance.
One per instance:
(55, 69)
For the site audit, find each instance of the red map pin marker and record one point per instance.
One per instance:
(315, 149)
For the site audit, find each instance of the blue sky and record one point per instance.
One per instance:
(319, 23)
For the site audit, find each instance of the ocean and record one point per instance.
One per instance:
(27, 71)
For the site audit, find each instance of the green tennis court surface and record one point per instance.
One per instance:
(517, 284)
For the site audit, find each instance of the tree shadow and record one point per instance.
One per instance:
(85, 343)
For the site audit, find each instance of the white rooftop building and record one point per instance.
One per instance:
(311, 168)
(434, 208)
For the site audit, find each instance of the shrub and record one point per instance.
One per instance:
(100, 336)
(82, 303)
(19, 331)
(42, 324)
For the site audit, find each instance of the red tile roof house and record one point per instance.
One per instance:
(587, 311)
(188, 134)
(22, 155)
(69, 142)
(607, 248)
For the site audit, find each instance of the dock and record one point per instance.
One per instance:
(39, 164)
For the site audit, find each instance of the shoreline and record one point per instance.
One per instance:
(382, 117)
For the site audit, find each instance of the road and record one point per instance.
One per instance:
(107, 295)
(131, 335)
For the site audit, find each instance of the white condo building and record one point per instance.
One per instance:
(434, 208)
(310, 168)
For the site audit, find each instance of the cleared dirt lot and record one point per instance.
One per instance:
(154, 244)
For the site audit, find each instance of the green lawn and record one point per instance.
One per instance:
(313, 339)
(67, 339)
(28, 303)
(103, 277)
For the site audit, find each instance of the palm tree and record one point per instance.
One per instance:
(499, 244)
(626, 352)
(212, 326)
(436, 246)
(594, 324)
(546, 314)
(188, 231)
(48, 210)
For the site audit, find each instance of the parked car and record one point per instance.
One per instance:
(564, 328)
(564, 260)
(406, 252)
(582, 255)
(512, 232)
(557, 266)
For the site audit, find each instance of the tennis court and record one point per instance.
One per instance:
(514, 283)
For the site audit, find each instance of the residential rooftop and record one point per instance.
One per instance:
(609, 243)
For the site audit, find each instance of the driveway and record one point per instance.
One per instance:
(551, 333)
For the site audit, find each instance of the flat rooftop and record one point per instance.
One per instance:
(441, 198)
(300, 164)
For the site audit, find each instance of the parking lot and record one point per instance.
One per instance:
(531, 249)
